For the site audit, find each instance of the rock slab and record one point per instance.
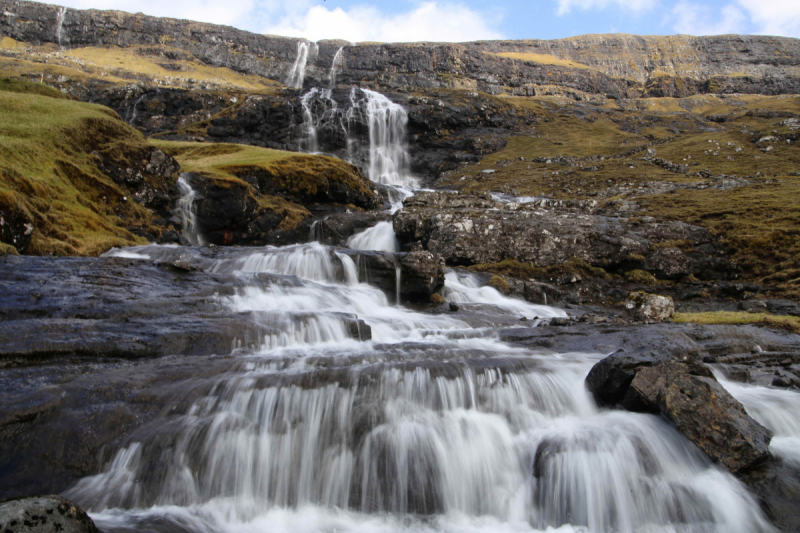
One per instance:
(44, 514)
(687, 393)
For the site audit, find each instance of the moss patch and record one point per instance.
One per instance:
(519, 270)
(789, 323)
(50, 152)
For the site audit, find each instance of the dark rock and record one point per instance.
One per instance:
(686, 392)
(16, 225)
(44, 514)
(711, 418)
(454, 306)
(559, 321)
(776, 486)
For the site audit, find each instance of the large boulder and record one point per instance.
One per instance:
(687, 393)
(44, 514)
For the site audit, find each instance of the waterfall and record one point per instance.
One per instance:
(379, 237)
(188, 212)
(336, 65)
(389, 162)
(434, 425)
(132, 112)
(318, 106)
(62, 12)
(305, 50)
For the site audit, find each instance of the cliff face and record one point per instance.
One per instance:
(616, 66)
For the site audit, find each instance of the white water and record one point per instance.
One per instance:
(133, 112)
(776, 409)
(336, 65)
(188, 212)
(297, 74)
(318, 106)
(433, 425)
(62, 12)
(381, 237)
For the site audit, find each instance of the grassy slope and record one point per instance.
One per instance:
(296, 176)
(759, 223)
(47, 171)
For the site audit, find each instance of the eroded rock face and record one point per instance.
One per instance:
(469, 229)
(44, 514)
(619, 65)
(686, 392)
(16, 226)
(649, 308)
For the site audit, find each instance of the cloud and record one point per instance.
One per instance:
(565, 6)
(774, 17)
(427, 21)
(696, 19)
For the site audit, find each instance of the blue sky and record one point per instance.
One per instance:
(463, 20)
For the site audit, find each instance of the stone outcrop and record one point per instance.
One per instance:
(469, 229)
(616, 66)
(43, 514)
(688, 394)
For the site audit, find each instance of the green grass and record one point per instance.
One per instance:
(14, 85)
(520, 270)
(790, 323)
(49, 151)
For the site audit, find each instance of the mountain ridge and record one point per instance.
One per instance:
(610, 65)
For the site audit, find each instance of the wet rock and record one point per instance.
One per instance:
(711, 418)
(686, 392)
(649, 308)
(44, 514)
(453, 306)
(776, 486)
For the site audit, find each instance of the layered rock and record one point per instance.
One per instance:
(617, 66)
(469, 229)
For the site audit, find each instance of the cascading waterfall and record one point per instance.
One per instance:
(380, 237)
(62, 12)
(336, 65)
(133, 112)
(389, 162)
(318, 106)
(297, 74)
(433, 425)
(188, 212)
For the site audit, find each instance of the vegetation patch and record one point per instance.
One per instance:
(520, 270)
(789, 323)
(542, 59)
(51, 154)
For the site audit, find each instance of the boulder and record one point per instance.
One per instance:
(649, 308)
(686, 392)
(44, 514)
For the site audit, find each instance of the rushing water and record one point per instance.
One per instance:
(188, 212)
(433, 425)
(336, 65)
(62, 12)
(297, 74)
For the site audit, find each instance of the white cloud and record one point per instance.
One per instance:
(774, 17)
(565, 6)
(695, 19)
(427, 21)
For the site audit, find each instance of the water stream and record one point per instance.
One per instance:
(336, 65)
(62, 12)
(433, 425)
(297, 74)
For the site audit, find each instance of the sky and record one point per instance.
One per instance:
(471, 20)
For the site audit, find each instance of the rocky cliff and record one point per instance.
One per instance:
(616, 66)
